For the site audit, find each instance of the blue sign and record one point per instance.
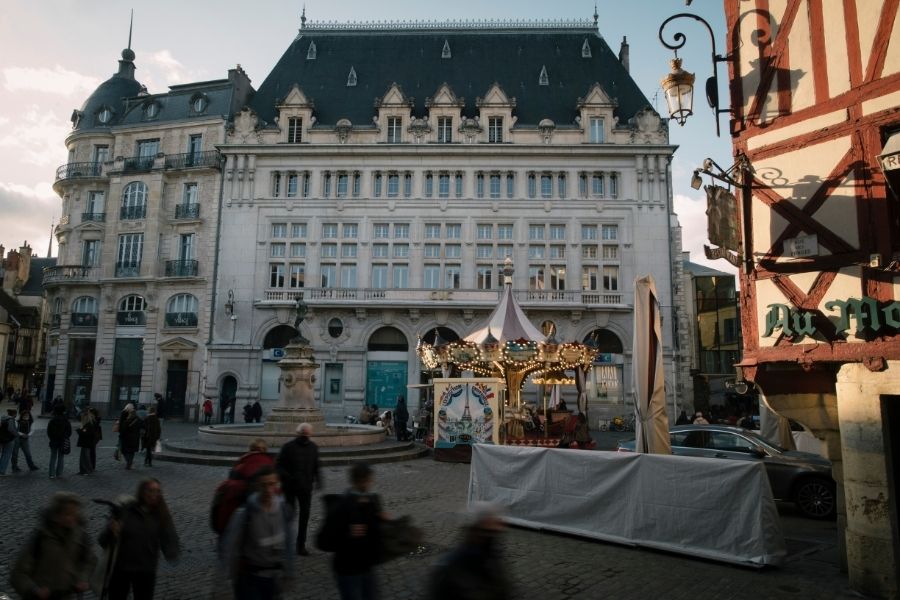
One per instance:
(277, 352)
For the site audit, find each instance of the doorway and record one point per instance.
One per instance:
(176, 388)
(228, 393)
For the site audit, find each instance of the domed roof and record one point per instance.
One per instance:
(111, 95)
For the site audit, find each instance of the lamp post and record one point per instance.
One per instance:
(678, 85)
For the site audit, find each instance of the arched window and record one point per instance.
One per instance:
(84, 312)
(134, 200)
(131, 311)
(56, 316)
(181, 311)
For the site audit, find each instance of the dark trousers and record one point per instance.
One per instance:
(148, 455)
(304, 500)
(94, 457)
(84, 461)
(140, 584)
(129, 459)
(360, 586)
(249, 586)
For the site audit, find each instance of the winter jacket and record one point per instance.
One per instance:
(152, 431)
(25, 425)
(355, 555)
(236, 545)
(88, 435)
(9, 428)
(54, 558)
(298, 465)
(249, 464)
(58, 429)
(129, 433)
(143, 535)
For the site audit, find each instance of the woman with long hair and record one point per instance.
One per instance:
(142, 530)
(87, 436)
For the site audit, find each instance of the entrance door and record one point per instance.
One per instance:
(176, 388)
(334, 383)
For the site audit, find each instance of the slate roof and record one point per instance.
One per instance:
(176, 104)
(111, 93)
(479, 57)
(34, 285)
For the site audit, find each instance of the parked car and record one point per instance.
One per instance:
(798, 477)
(805, 440)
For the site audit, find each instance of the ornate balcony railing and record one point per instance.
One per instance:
(187, 211)
(191, 160)
(84, 319)
(92, 216)
(468, 296)
(130, 213)
(181, 319)
(138, 164)
(131, 318)
(79, 169)
(69, 273)
(181, 268)
(128, 268)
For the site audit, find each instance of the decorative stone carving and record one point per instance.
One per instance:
(470, 128)
(419, 128)
(547, 126)
(647, 127)
(343, 129)
(244, 129)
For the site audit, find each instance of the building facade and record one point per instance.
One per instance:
(137, 241)
(391, 218)
(816, 98)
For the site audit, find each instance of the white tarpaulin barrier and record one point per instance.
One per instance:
(717, 509)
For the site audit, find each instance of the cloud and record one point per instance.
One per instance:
(27, 211)
(167, 66)
(692, 217)
(36, 136)
(56, 80)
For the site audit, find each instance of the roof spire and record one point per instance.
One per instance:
(303, 18)
(130, 25)
(126, 65)
(596, 14)
(50, 243)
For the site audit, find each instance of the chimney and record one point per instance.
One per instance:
(623, 53)
(24, 263)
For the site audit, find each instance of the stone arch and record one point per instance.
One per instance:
(606, 341)
(387, 338)
(278, 336)
(267, 326)
(446, 333)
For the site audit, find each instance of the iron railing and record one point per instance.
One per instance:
(127, 213)
(92, 216)
(79, 169)
(138, 164)
(128, 268)
(84, 319)
(190, 160)
(131, 318)
(187, 211)
(474, 296)
(181, 268)
(68, 273)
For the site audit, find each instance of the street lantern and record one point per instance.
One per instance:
(678, 87)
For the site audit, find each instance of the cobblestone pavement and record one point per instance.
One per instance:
(542, 566)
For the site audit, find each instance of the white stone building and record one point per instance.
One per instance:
(383, 173)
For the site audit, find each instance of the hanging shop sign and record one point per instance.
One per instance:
(721, 224)
(867, 313)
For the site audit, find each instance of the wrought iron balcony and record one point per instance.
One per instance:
(130, 213)
(128, 268)
(187, 211)
(138, 164)
(181, 268)
(84, 319)
(92, 216)
(131, 318)
(55, 321)
(181, 319)
(62, 273)
(192, 160)
(79, 169)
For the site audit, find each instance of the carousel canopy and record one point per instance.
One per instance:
(506, 323)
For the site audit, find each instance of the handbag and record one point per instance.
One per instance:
(67, 445)
(157, 447)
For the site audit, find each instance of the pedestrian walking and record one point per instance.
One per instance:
(258, 549)
(58, 559)
(247, 412)
(87, 439)
(207, 411)
(25, 403)
(401, 416)
(354, 524)
(129, 434)
(9, 431)
(152, 435)
(25, 425)
(142, 529)
(59, 432)
(474, 570)
(256, 412)
(160, 403)
(97, 438)
(298, 466)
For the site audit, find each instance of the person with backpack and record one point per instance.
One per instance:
(9, 431)
(233, 492)
(58, 559)
(258, 550)
(59, 431)
(298, 466)
(142, 529)
(25, 426)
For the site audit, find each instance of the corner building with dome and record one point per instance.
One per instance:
(382, 173)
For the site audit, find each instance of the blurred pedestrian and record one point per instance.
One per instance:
(247, 412)
(9, 431)
(59, 432)
(152, 434)
(474, 570)
(25, 425)
(401, 417)
(298, 466)
(97, 439)
(699, 419)
(258, 552)
(58, 559)
(356, 519)
(233, 492)
(25, 403)
(207, 411)
(87, 439)
(682, 418)
(143, 529)
(129, 434)
(256, 412)
(160, 403)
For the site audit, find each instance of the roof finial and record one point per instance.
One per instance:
(596, 14)
(130, 25)
(303, 18)
(128, 53)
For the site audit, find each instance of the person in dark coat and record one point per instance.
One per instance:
(97, 438)
(256, 412)
(247, 412)
(23, 443)
(129, 434)
(58, 431)
(143, 529)
(682, 418)
(298, 467)
(401, 417)
(152, 434)
(358, 537)
(87, 441)
(58, 559)
(474, 570)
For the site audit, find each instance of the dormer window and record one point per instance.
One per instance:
(543, 79)
(495, 130)
(351, 78)
(585, 49)
(394, 125)
(311, 52)
(445, 52)
(151, 110)
(104, 115)
(199, 103)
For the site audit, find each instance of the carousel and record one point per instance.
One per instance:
(507, 347)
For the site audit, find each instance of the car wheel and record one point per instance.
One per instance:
(816, 498)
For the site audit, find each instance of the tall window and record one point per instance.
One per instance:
(532, 185)
(181, 311)
(306, 177)
(610, 278)
(393, 188)
(292, 185)
(444, 185)
(432, 277)
(504, 231)
(378, 182)
(597, 185)
(298, 230)
(329, 230)
(328, 276)
(326, 185)
(134, 201)
(597, 131)
(276, 184)
(400, 276)
(295, 130)
(348, 276)
(454, 231)
(429, 185)
(407, 185)
(186, 246)
(589, 232)
(393, 129)
(561, 184)
(276, 275)
(147, 151)
(557, 232)
(484, 275)
(357, 177)
(610, 232)
(484, 231)
(298, 275)
(379, 276)
(510, 185)
(445, 130)
(479, 185)
(495, 185)
(432, 231)
(84, 312)
(452, 277)
(495, 130)
(590, 279)
(279, 230)
(96, 204)
(342, 182)
(101, 154)
(546, 186)
(613, 186)
(90, 255)
(190, 194)
(195, 145)
(128, 254)
(535, 232)
(380, 231)
(350, 230)
(401, 231)
(458, 180)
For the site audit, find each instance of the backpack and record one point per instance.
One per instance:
(6, 435)
(229, 496)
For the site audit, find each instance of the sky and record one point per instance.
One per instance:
(56, 52)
